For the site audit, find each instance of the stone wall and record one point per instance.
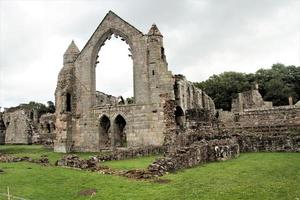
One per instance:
(46, 129)
(129, 153)
(105, 99)
(23, 126)
(249, 100)
(195, 154)
(188, 96)
(18, 127)
(287, 142)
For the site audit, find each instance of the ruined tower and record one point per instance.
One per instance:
(65, 99)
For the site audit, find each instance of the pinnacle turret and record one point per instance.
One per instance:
(71, 53)
(72, 49)
(154, 31)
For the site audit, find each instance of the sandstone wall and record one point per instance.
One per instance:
(287, 142)
(249, 100)
(46, 129)
(105, 99)
(18, 127)
(275, 119)
(144, 126)
(188, 96)
(195, 154)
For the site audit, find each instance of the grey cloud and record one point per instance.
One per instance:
(201, 37)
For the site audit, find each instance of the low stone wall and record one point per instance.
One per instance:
(195, 154)
(271, 143)
(128, 153)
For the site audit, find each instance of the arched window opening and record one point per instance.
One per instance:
(68, 102)
(119, 130)
(48, 128)
(31, 115)
(104, 134)
(162, 53)
(114, 72)
(179, 116)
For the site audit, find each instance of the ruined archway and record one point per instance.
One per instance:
(179, 117)
(114, 71)
(120, 139)
(104, 134)
(87, 60)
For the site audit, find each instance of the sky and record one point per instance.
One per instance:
(201, 38)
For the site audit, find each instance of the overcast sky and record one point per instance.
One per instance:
(201, 38)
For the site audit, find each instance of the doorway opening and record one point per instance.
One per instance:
(119, 131)
(104, 134)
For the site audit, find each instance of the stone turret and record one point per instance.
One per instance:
(64, 100)
(154, 31)
(155, 44)
(159, 76)
(71, 53)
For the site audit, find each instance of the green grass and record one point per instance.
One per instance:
(251, 176)
(35, 151)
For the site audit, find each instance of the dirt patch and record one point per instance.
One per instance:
(161, 181)
(87, 192)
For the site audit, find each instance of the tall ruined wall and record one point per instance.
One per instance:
(188, 96)
(46, 129)
(24, 126)
(18, 127)
(249, 100)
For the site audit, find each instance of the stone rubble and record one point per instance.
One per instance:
(195, 154)
(75, 162)
(8, 158)
(93, 164)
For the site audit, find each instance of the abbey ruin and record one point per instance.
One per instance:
(87, 120)
(168, 113)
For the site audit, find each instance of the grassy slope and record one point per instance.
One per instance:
(251, 176)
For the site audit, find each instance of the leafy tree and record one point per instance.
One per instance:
(50, 107)
(39, 107)
(224, 87)
(275, 84)
(130, 100)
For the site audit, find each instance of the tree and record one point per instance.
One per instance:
(50, 107)
(224, 87)
(275, 84)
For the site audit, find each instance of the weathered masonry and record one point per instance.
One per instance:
(88, 120)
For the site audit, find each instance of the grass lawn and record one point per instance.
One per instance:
(251, 176)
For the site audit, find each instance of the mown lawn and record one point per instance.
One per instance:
(251, 176)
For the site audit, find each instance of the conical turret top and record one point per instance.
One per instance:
(72, 49)
(154, 31)
(71, 53)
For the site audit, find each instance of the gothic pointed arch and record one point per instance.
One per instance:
(104, 131)
(113, 25)
(120, 139)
